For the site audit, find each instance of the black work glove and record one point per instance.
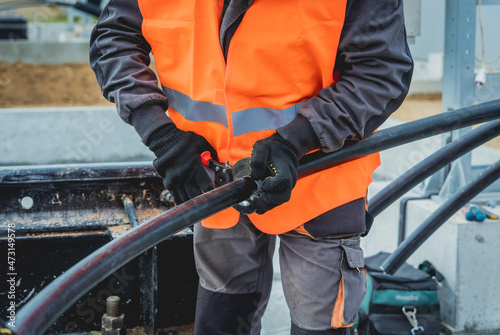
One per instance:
(178, 161)
(275, 154)
(279, 153)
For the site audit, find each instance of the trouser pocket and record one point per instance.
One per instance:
(352, 285)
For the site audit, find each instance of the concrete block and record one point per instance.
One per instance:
(67, 135)
(466, 253)
(44, 52)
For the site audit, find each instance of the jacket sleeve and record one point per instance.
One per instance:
(375, 68)
(119, 56)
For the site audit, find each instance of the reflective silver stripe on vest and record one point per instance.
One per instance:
(244, 121)
(195, 110)
(256, 119)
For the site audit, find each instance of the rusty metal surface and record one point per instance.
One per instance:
(69, 197)
(62, 213)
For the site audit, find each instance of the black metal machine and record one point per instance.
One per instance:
(59, 215)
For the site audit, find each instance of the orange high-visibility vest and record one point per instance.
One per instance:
(282, 54)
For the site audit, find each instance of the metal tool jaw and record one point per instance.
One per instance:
(223, 173)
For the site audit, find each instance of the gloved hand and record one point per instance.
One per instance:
(178, 161)
(279, 153)
(275, 153)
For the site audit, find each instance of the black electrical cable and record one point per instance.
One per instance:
(84, 6)
(402, 134)
(431, 165)
(39, 313)
(443, 213)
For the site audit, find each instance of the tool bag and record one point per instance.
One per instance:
(403, 303)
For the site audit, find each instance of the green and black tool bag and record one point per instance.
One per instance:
(404, 303)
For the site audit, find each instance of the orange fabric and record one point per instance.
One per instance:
(221, 7)
(301, 230)
(338, 309)
(225, 219)
(264, 70)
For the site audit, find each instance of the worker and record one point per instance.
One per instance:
(273, 81)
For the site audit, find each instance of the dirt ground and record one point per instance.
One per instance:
(45, 85)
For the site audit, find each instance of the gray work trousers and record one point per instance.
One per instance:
(235, 270)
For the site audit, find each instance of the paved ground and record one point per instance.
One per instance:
(276, 320)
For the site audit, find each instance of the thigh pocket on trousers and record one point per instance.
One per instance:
(352, 286)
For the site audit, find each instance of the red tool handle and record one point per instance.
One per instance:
(206, 157)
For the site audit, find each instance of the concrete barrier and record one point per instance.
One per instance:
(44, 52)
(464, 252)
(67, 135)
